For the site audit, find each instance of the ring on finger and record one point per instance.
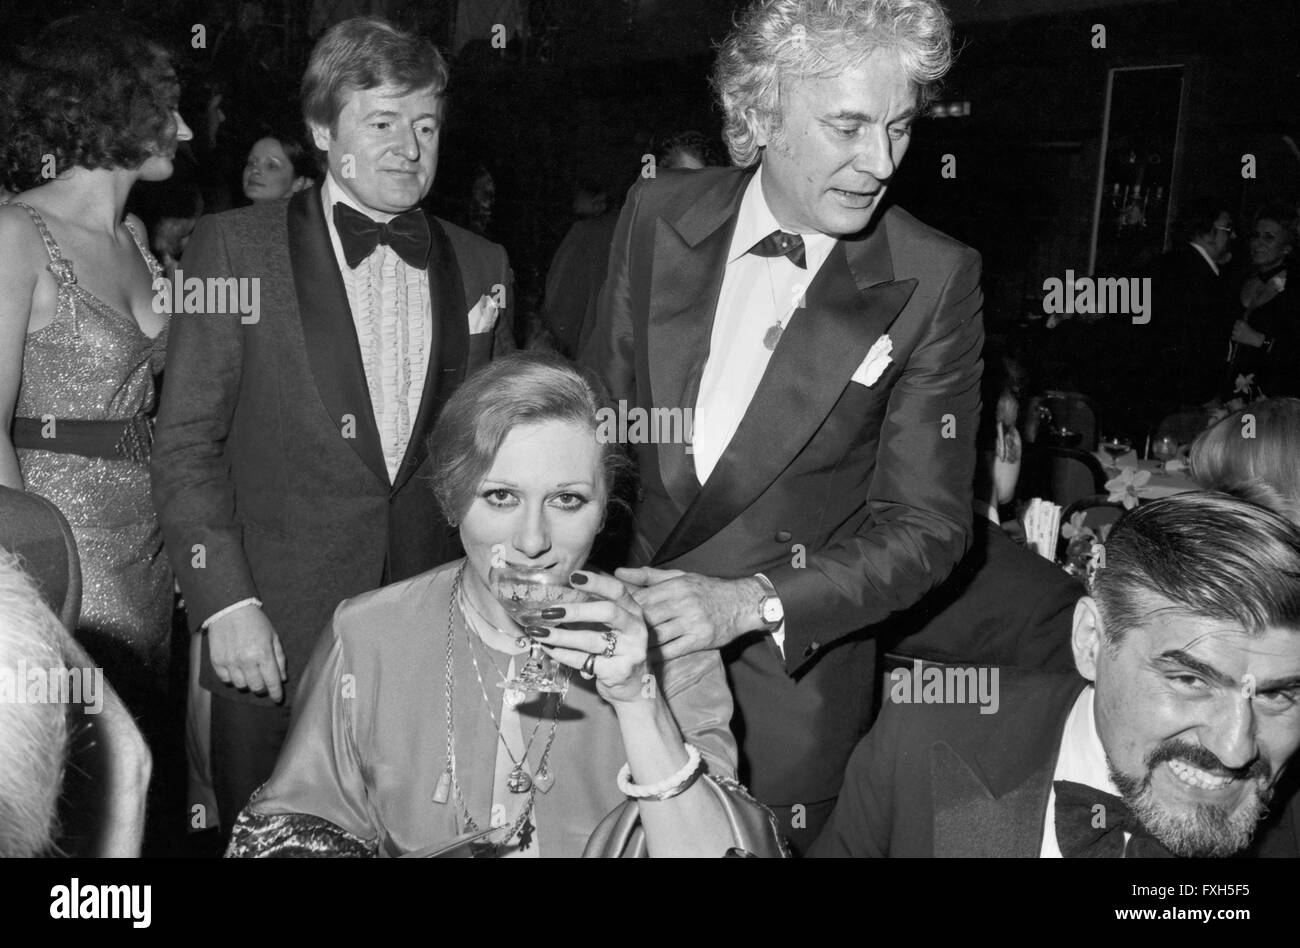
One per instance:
(611, 643)
(588, 669)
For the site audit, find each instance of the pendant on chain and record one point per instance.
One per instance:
(772, 337)
(526, 834)
(441, 791)
(514, 697)
(519, 781)
(543, 779)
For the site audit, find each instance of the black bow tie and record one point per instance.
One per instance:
(1091, 824)
(407, 234)
(780, 244)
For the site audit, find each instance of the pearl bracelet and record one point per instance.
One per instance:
(667, 788)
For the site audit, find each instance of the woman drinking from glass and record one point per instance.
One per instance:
(421, 721)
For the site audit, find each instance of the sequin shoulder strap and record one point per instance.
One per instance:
(59, 266)
(155, 268)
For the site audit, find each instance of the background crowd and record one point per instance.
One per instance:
(543, 136)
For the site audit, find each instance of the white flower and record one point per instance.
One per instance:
(876, 362)
(1124, 486)
(1278, 282)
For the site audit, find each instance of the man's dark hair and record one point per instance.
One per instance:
(1198, 216)
(691, 143)
(91, 92)
(1210, 554)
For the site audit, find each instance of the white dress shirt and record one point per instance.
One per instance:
(1208, 259)
(392, 312)
(1081, 759)
(757, 292)
(393, 315)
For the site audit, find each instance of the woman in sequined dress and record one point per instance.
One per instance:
(90, 109)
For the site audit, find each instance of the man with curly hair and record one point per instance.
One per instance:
(827, 346)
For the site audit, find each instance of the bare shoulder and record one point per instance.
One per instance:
(21, 246)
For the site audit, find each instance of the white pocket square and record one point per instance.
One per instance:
(484, 315)
(876, 362)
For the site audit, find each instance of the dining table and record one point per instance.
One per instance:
(1163, 482)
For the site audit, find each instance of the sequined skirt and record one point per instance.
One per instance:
(127, 586)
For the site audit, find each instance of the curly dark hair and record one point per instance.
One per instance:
(91, 92)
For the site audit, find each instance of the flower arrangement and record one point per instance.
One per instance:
(1080, 541)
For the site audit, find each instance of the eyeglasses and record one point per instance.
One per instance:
(1230, 230)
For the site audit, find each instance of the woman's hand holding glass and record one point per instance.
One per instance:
(622, 677)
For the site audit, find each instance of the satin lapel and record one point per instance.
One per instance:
(329, 331)
(690, 260)
(823, 345)
(970, 820)
(449, 352)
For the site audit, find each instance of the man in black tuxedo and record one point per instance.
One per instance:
(290, 466)
(826, 348)
(1174, 743)
(1002, 604)
(1192, 309)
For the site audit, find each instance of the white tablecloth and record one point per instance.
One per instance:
(1162, 484)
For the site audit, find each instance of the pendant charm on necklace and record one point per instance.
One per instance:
(543, 779)
(772, 336)
(515, 697)
(526, 834)
(441, 791)
(519, 781)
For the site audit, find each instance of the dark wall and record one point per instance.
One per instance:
(1028, 154)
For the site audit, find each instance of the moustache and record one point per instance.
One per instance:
(1201, 758)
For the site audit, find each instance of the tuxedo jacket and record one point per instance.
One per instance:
(1192, 315)
(268, 474)
(853, 499)
(946, 780)
(1002, 605)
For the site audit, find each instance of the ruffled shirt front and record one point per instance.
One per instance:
(392, 311)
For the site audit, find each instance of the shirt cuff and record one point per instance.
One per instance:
(221, 614)
(779, 638)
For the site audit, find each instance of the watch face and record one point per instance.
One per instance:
(772, 611)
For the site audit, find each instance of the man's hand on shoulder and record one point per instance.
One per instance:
(246, 652)
(688, 612)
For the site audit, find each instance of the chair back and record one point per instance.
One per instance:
(1061, 475)
(34, 529)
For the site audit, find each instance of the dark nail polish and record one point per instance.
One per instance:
(537, 633)
(555, 612)
(578, 579)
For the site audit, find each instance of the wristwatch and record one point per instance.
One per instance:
(770, 609)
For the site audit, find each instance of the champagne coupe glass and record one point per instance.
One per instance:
(1165, 448)
(524, 591)
(1116, 447)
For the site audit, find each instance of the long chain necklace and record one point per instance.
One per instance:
(522, 827)
(519, 780)
(774, 331)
